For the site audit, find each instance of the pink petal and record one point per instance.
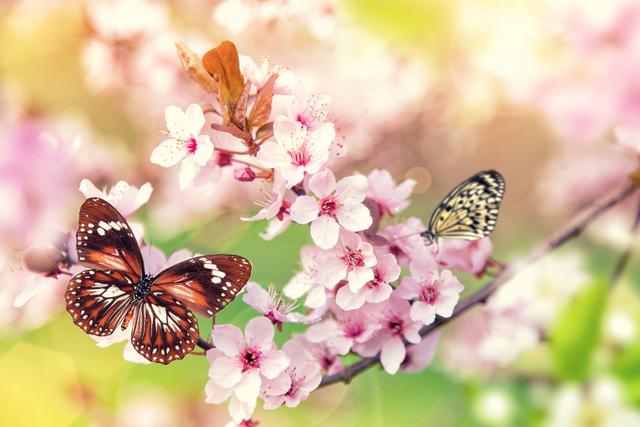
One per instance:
(304, 209)
(216, 394)
(324, 232)
(423, 267)
(352, 188)
(228, 339)
(331, 271)
(323, 183)
(273, 155)
(322, 331)
(176, 122)
(272, 363)
(226, 371)
(422, 312)
(289, 133)
(359, 277)
(348, 300)
(241, 410)
(259, 333)
(445, 304)
(257, 297)
(316, 297)
(276, 386)
(392, 355)
(248, 388)
(389, 268)
(168, 153)
(354, 217)
(380, 293)
(408, 289)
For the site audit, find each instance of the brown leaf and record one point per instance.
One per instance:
(238, 117)
(233, 130)
(635, 177)
(223, 64)
(192, 64)
(262, 106)
(265, 131)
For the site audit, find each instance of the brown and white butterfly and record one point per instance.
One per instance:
(115, 291)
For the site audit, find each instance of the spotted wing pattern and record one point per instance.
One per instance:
(470, 211)
(164, 329)
(105, 241)
(205, 284)
(98, 300)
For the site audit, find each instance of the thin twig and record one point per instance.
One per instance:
(573, 228)
(625, 256)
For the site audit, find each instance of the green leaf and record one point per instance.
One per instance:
(575, 334)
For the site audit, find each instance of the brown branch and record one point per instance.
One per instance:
(625, 256)
(573, 228)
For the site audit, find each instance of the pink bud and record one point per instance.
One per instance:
(223, 158)
(244, 174)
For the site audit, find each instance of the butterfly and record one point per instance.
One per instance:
(469, 211)
(115, 291)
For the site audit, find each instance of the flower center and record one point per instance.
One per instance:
(250, 359)
(328, 206)
(353, 258)
(303, 120)
(295, 386)
(353, 330)
(429, 293)
(395, 325)
(377, 279)
(191, 145)
(301, 156)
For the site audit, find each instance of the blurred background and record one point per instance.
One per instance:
(547, 92)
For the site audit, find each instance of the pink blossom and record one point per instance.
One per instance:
(321, 353)
(394, 327)
(249, 422)
(296, 152)
(341, 333)
(311, 111)
(420, 355)
(273, 306)
(303, 374)
(405, 242)
(391, 199)
(276, 208)
(305, 282)
(185, 144)
(352, 258)
(335, 205)
(376, 290)
(465, 255)
(244, 174)
(240, 365)
(124, 197)
(258, 75)
(435, 293)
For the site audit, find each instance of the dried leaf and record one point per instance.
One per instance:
(635, 177)
(265, 131)
(233, 130)
(223, 64)
(240, 113)
(192, 64)
(262, 106)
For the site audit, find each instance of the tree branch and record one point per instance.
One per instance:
(573, 228)
(625, 256)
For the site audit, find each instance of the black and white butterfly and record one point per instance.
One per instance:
(115, 290)
(469, 211)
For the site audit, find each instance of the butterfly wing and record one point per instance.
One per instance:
(163, 329)
(470, 211)
(205, 284)
(98, 300)
(105, 241)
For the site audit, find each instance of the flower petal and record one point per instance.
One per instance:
(188, 170)
(195, 120)
(204, 150)
(392, 355)
(352, 188)
(272, 363)
(168, 153)
(325, 231)
(304, 209)
(225, 371)
(228, 339)
(259, 333)
(354, 217)
(323, 183)
(248, 388)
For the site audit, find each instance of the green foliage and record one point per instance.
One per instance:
(575, 334)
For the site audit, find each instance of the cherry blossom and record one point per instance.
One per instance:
(124, 197)
(296, 152)
(352, 258)
(335, 206)
(305, 282)
(376, 290)
(465, 255)
(239, 365)
(302, 373)
(276, 208)
(341, 334)
(390, 198)
(273, 306)
(435, 293)
(394, 328)
(185, 143)
(405, 242)
(321, 353)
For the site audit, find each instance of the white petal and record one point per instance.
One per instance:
(204, 150)
(176, 122)
(188, 170)
(249, 386)
(195, 119)
(226, 371)
(168, 153)
(272, 363)
(259, 333)
(228, 339)
(325, 231)
(392, 354)
(352, 188)
(323, 183)
(355, 217)
(304, 209)
(273, 154)
(89, 190)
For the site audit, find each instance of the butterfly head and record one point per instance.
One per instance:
(428, 237)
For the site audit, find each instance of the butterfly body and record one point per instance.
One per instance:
(469, 211)
(115, 291)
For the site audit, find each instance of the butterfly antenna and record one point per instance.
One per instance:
(406, 235)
